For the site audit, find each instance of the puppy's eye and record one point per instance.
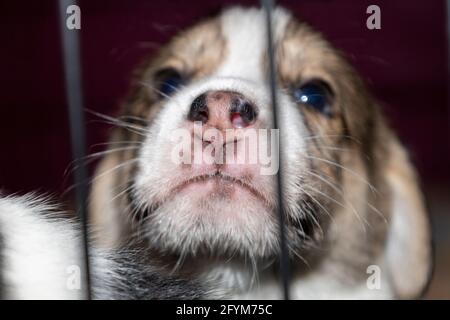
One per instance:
(316, 95)
(168, 81)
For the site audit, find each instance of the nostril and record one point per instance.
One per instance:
(237, 121)
(242, 113)
(199, 109)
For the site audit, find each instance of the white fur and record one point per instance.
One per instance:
(244, 32)
(41, 257)
(38, 250)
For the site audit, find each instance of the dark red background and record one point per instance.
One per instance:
(405, 65)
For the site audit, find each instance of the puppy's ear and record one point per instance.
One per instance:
(409, 254)
(108, 225)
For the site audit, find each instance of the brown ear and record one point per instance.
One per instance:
(106, 222)
(409, 254)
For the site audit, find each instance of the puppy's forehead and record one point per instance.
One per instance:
(245, 35)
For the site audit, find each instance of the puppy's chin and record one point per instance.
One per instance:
(213, 224)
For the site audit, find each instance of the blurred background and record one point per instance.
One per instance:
(405, 64)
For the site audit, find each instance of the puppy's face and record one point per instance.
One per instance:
(202, 177)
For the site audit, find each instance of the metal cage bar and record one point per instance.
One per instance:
(74, 93)
(268, 5)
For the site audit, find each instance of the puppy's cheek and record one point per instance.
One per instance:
(155, 165)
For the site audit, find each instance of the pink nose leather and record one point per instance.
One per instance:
(219, 105)
(223, 110)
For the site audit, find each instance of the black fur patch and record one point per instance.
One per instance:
(133, 278)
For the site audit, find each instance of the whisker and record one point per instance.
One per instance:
(335, 148)
(380, 214)
(134, 118)
(90, 181)
(112, 143)
(121, 193)
(346, 169)
(316, 222)
(92, 157)
(363, 222)
(120, 123)
(335, 187)
(119, 166)
(147, 85)
(339, 191)
(298, 255)
(320, 136)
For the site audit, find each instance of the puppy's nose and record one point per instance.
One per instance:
(223, 110)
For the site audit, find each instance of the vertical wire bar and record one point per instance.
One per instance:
(2, 284)
(268, 5)
(74, 93)
(448, 64)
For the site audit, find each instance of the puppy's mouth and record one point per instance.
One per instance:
(219, 184)
(209, 186)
